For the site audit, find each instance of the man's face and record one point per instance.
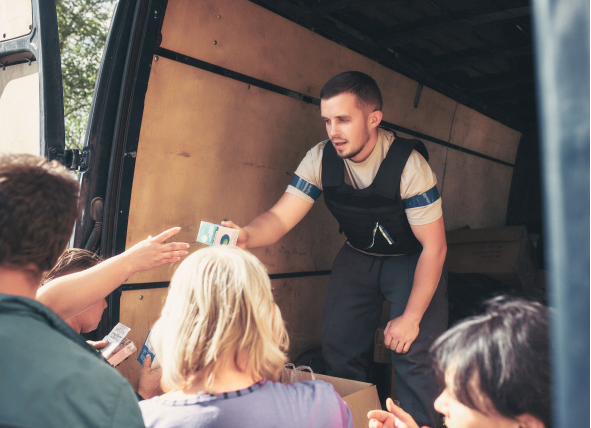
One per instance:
(457, 415)
(347, 125)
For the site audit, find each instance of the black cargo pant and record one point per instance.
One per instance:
(358, 285)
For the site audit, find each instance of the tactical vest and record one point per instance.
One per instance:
(373, 219)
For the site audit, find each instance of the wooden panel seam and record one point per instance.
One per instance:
(216, 69)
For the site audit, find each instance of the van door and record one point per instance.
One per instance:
(133, 35)
(31, 95)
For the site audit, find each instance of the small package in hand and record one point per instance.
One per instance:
(124, 350)
(146, 350)
(114, 337)
(215, 234)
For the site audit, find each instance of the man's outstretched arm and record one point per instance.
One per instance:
(272, 225)
(71, 294)
(403, 330)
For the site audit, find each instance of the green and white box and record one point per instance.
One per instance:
(215, 234)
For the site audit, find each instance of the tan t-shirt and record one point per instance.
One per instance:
(417, 177)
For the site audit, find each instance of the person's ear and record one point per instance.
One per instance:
(528, 421)
(375, 117)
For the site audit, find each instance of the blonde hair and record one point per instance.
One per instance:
(219, 301)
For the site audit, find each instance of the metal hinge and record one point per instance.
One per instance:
(72, 159)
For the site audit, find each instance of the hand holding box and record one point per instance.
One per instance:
(216, 234)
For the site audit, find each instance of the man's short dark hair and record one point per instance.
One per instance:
(503, 355)
(356, 83)
(38, 207)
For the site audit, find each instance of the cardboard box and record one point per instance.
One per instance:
(381, 354)
(503, 253)
(361, 397)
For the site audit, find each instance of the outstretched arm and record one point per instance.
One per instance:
(272, 225)
(69, 295)
(403, 330)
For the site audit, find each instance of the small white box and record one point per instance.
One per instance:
(215, 234)
(114, 337)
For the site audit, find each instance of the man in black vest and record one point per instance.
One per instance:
(382, 192)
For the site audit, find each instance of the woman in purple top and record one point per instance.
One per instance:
(221, 342)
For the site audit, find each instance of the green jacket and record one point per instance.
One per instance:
(50, 377)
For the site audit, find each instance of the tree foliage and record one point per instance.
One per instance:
(83, 27)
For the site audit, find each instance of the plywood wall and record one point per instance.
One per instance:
(300, 301)
(246, 38)
(476, 190)
(213, 148)
(249, 39)
(140, 310)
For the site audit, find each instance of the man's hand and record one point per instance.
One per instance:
(152, 252)
(397, 418)
(149, 383)
(400, 333)
(98, 345)
(242, 234)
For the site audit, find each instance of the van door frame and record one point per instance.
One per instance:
(144, 38)
(43, 43)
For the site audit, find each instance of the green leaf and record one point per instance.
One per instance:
(83, 28)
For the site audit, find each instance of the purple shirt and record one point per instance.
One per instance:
(264, 404)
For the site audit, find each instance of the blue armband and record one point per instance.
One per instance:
(305, 187)
(423, 199)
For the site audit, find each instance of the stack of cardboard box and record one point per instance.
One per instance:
(484, 263)
(505, 254)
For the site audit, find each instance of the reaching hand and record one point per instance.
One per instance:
(242, 234)
(394, 418)
(400, 333)
(98, 345)
(152, 252)
(149, 383)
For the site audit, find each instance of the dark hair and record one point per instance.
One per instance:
(502, 354)
(38, 206)
(357, 83)
(73, 260)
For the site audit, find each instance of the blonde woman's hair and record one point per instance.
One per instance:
(219, 301)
